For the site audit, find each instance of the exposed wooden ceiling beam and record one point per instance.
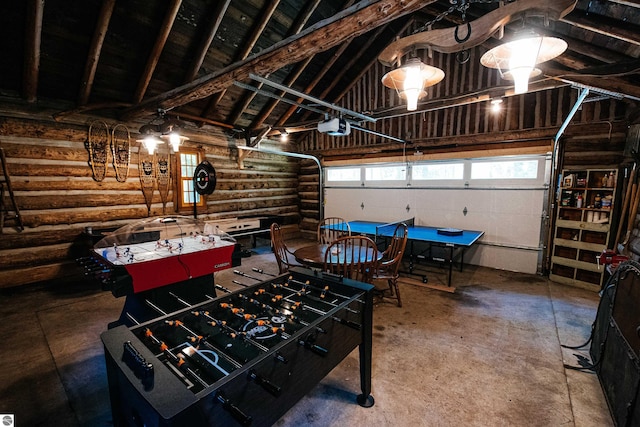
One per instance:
(356, 20)
(257, 29)
(594, 53)
(248, 97)
(33, 30)
(350, 64)
(199, 119)
(289, 81)
(304, 16)
(607, 27)
(630, 3)
(319, 75)
(271, 105)
(104, 16)
(240, 106)
(354, 59)
(154, 56)
(246, 50)
(603, 77)
(205, 43)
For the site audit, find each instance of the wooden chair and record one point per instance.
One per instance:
(389, 264)
(332, 228)
(354, 257)
(280, 249)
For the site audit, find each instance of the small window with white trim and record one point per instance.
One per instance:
(385, 173)
(505, 169)
(437, 171)
(343, 174)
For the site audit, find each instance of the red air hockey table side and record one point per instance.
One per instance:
(155, 264)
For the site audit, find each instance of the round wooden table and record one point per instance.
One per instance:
(313, 255)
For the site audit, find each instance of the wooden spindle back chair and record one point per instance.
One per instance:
(332, 228)
(280, 249)
(354, 257)
(389, 266)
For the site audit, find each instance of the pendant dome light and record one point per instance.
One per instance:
(411, 79)
(516, 60)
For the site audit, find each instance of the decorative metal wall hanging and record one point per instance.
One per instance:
(98, 146)
(121, 151)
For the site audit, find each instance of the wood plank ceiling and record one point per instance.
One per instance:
(126, 59)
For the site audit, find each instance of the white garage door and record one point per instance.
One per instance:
(505, 197)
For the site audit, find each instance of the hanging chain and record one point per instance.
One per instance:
(459, 5)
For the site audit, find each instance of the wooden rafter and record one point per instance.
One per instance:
(587, 50)
(293, 76)
(297, 27)
(319, 75)
(630, 3)
(106, 11)
(606, 27)
(206, 41)
(154, 56)
(35, 13)
(304, 16)
(355, 59)
(601, 77)
(352, 22)
(271, 105)
(248, 46)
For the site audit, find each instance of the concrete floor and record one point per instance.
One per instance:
(487, 355)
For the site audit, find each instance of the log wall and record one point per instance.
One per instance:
(309, 192)
(58, 197)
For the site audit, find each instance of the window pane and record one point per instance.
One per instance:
(386, 173)
(437, 171)
(343, 174)
(512, 169)
(187, 192)
(188, 164)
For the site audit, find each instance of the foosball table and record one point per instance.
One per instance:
(242, 358)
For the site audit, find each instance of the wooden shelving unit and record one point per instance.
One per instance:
(583, 227)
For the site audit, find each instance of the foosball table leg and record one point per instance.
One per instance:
(365, 399)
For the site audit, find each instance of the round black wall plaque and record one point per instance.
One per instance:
(204, 178)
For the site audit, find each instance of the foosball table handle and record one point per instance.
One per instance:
(320, 351)
(265, 383)
(240, 416)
